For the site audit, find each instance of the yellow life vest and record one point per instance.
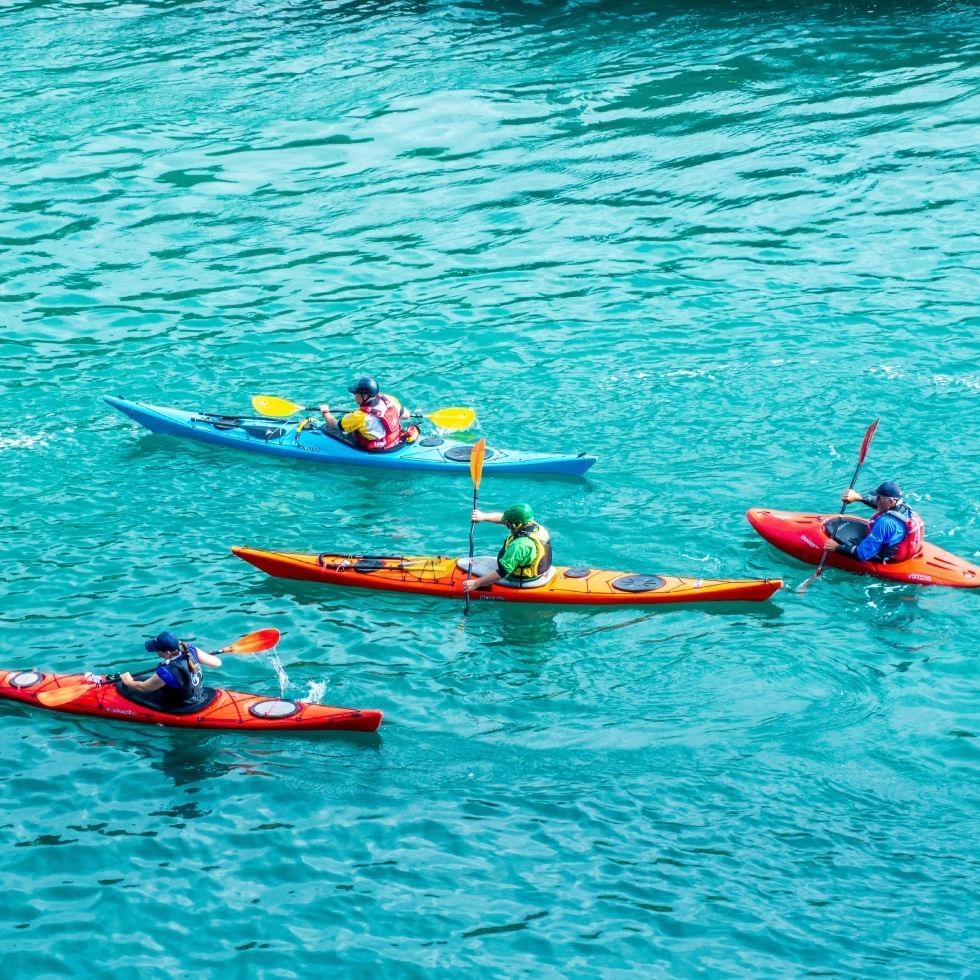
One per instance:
(541, 540)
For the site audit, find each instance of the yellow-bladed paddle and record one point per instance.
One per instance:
(255, 642)
(477, 455)
(453, 419)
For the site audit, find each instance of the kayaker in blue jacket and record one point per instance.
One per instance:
(524, 558)
(895, 534)
(178, 680)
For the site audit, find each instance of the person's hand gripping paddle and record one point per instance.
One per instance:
(864, 452)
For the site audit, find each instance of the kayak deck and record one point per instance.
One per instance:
(229, 710)
(803, 535)
(441, 576)
(297, 440)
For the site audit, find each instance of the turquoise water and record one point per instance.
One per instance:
(709, 243)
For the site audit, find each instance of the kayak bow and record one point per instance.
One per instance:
(442, 576)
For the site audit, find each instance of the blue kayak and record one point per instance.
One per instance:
(279, 437)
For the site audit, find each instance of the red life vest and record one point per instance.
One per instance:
(915, 534)
(388, 413)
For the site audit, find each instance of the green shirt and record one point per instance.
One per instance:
(520, 554)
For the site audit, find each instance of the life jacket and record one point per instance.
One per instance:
(389, 415)
(915, 535)
(185, 668)
(541, 540)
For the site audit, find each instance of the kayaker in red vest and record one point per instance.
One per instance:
(376, 424)
(524, 558)
(178, 680)
(896, 533)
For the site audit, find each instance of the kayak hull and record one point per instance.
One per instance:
(279, 437)
(229, 711)
(442, 576)
(802, 536)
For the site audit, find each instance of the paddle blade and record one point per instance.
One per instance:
(254, 642)
(804, 586)
(453, 419)
(63, 695)
(868, 436)
(275, 407)
(477, 455)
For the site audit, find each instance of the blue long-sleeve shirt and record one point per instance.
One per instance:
(884, 537)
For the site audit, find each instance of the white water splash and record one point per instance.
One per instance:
(316, 691)
(281, 674)
(23, 441)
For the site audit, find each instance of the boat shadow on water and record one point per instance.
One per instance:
(187, 757)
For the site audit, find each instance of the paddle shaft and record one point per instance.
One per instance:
(477, 454)
(857, 469)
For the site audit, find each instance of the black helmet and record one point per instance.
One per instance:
(365, 386)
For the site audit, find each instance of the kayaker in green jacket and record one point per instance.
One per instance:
(524, 559)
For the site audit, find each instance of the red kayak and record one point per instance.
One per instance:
(803, 537)
(228, 710)
(441, 576)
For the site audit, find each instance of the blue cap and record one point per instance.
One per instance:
(163, 643)
(889, 489)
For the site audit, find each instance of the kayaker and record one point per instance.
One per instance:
(524, 558)
(376, 424)
(896, 532)
(178, 680)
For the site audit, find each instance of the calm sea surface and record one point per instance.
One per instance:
(709, 242)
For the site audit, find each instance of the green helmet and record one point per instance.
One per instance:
(518, 514)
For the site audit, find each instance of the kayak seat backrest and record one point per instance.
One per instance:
(155, 698)
(529, 583)
(351, 443)
(846, 530)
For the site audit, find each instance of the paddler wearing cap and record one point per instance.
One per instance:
(177, 680)
(524, 558)
(896, 532)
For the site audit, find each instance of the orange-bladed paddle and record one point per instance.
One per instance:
(63, 695)
(477, 455)
(255, 642)
(865, 444)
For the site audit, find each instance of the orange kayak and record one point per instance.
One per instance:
(442, 576)
(803, 537)
(100, 697)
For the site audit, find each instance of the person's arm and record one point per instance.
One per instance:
(403, 412)
(328, 417)
(152, 683)
(488, 516)
(478, 583)
(208, 659)
(850, 496)
(881, 534)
